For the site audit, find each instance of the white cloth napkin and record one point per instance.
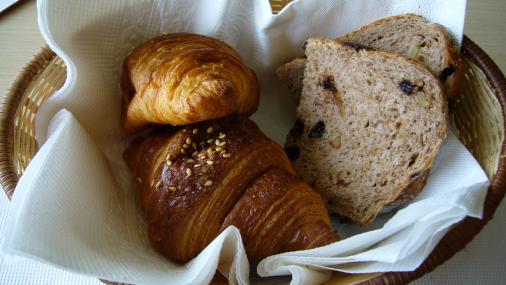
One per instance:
(74, 206)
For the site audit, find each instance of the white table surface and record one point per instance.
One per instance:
(483, 261)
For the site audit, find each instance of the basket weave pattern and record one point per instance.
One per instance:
(44, 75)
(478, 117)
(478, 113)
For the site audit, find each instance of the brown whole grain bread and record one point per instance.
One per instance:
(292, 74)
(369, 123)
(409, 34)
(408, 193)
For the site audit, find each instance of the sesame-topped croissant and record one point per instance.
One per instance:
(179, 79)
(193, 182)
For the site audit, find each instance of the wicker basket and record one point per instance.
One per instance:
(478, 113)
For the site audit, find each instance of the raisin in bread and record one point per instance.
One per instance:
(369, 123)
(408, 34)
(292, 74)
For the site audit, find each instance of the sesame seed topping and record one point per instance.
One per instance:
(227, 155)
(185, 146)
(195, 131)
(208, 183)
(210, 162)
(197, 165)
(202, 155)
(172, 188)
(190, 161)
(210, 151)
(195, 153)
(169, 163)
(219, 148)
(210, 130)
(188, 141)
(188, 172)
(183, 151)
(194, 145)
(222, 136)
(139, 180)
(158, 183)
(210, 141)
(217, 142)
(168, 157)
(222, 143)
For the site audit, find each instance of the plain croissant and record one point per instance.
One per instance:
(179, 79)
(193, 182)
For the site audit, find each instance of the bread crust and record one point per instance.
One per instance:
(180, 78)
(290, 72)
(451, 56)
(193, 182)
(338, 109)
(408, 193)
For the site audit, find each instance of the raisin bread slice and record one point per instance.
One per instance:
(369, 123)
(409, 34)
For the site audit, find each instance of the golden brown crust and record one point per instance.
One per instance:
(187, 196)
(283, 210)
(179, 79)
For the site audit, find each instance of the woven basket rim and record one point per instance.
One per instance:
(8, 178)
(8, 106)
